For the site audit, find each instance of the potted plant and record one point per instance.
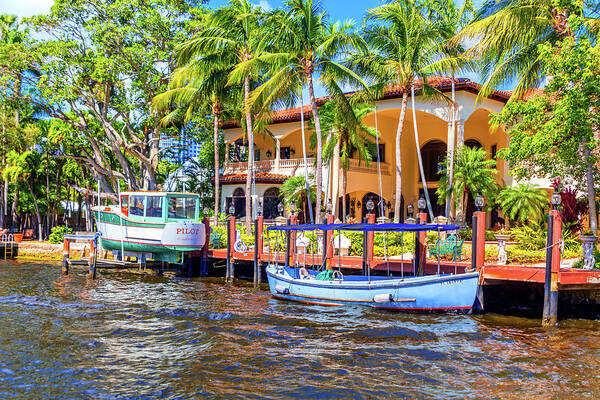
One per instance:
(588, 241)
(18, 237)
(502, 236)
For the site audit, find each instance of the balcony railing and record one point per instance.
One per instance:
(290, 166)
(283, 167)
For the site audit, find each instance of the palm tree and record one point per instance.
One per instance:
(294, 192)
(508, 34)
(404, 46)
(348, 135)
(233, 33)
(452, 18)
(199, 85)
(302, 44)
(523, 203)
(474, 172)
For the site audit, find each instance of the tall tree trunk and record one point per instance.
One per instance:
(47, 233)
(398, 201)
(319, 166)
(37, 212)
(216, 114)
(451, 148)
(13, 209)
(250, 171)
(591, 192)
(2, 204)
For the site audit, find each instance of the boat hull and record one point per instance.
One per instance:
(159, 241)
(437, 293)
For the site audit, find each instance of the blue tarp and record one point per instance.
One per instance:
(390, 227)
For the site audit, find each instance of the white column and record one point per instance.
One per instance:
(277, 154)
(460, 133)
(335, 180)
(226, 160)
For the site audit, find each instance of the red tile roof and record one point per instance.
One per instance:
(443, 84)
(260, 177)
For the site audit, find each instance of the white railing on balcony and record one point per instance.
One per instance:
(362, 166)
(291, 166)
(284, 167)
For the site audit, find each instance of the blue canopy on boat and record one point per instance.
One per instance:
(389, 227)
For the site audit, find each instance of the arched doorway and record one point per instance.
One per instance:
(238, 199)
(376, 201)
(271, 200)
(473, 143)
(433, 154)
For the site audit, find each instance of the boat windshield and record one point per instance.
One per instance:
(182, 207)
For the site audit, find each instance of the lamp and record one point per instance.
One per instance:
(206, 211)
(292, 151)
(370, 205)
(410, 209)
(293, 208)
(329, 207)
(556, 198)
(259, 209)
(479, 202)
(280, 208)
(422, 204)
(358, 204)
(232, 209)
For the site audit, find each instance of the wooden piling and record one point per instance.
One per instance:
(365, 244)
(550, 312)
(92, 259)
(479, 248)
(256, 252)
(328, 249)
(258, 249)
(370, 240)
(229, 272)
(65, 257)
(204, 259)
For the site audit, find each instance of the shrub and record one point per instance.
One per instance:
(58, 234)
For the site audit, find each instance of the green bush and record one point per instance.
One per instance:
(58, 234)
(518, 255)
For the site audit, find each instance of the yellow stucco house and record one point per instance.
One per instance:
(280, 156)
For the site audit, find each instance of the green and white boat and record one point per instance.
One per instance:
(161, 226)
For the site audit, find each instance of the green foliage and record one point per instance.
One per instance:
(518, 255)
(474, 172)
(58, 234)
(523, 203)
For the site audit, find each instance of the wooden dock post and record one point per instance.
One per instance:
(293, 236)
(370, 240)
(230, 242)
(287, 245)
(478, 240)
(328, 249)
(204, 258)
(550, 313)
(92, 259)
(65, 257)
(420, 248)
(258, 248)
(365, 256)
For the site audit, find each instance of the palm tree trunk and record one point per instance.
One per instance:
(37, 212)
(344, 184)
(47, 233)
(216, 148)
(591, 192)
(398, 201)
(250, 171)
(13, 209)
(451, 145)
(318, 172)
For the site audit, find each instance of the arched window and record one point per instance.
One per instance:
(433, 154)
(238, 192)
(473, 143)
(271, 200)
(272, 192)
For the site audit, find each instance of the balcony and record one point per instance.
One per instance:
(290, 167)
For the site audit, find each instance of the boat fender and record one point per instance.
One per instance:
(304, 274)
(383, 298)
(282, 289)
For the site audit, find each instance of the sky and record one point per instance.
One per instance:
(337, 9)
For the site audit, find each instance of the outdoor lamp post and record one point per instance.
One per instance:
(410, 210)
(555, 199)
(231, 209)
(329, 207)
(293, 208)
(422, 204)
(280, 208)
(206, 211)
(259, 209)
(479, 202)
(370, 206)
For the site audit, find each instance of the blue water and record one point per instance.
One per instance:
(141, 337)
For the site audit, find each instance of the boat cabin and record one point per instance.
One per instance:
(160, 206)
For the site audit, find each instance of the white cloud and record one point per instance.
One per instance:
(264, 5)
(25, 8)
